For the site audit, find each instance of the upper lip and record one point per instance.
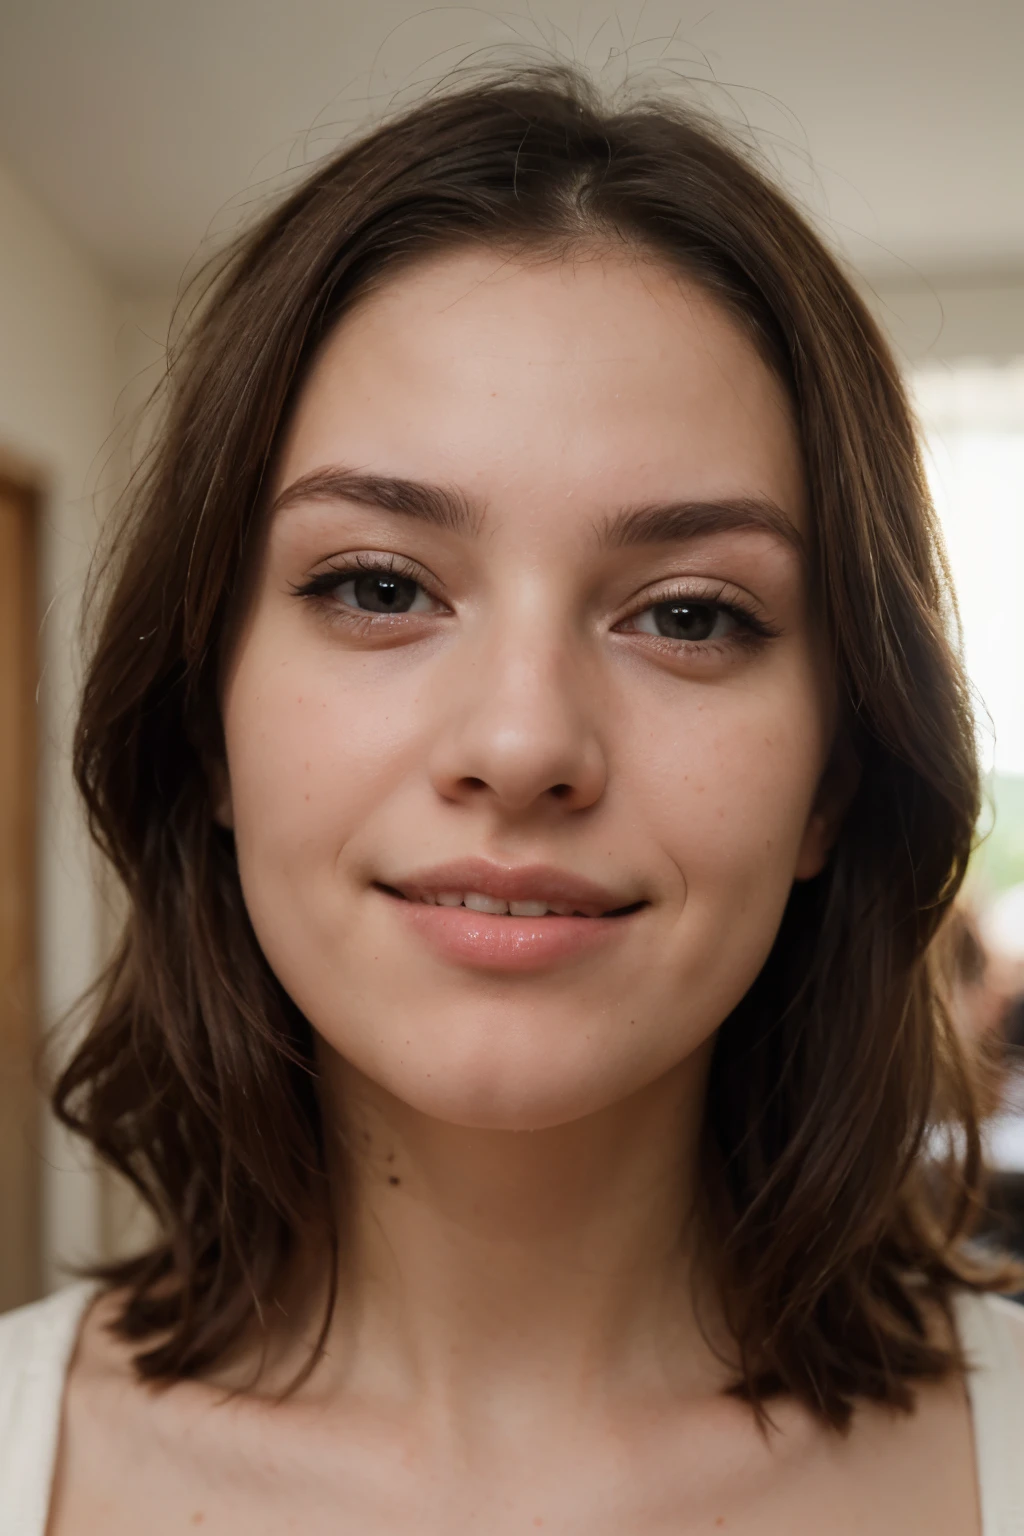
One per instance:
(524, 882)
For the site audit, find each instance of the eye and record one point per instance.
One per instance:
(381, 591)
(687, 619)
(368, 587)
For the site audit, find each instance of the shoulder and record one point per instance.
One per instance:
(1011, 1319)
(36, 1343)
(34, 1337)
(991, 1330)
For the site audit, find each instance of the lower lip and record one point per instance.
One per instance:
(504, 943)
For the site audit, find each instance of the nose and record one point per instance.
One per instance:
(519, 725)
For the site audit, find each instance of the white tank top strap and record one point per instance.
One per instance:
(991, 1330)
(36, 1344)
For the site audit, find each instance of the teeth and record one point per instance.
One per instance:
(478, 903)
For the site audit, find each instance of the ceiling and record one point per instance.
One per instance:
(151, 127)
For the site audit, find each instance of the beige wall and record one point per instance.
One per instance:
(68, 346)
(950, 318)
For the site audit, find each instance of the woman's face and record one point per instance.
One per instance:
(532, 595)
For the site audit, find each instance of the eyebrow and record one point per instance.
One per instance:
(444, 507)
(439, 505)
(662, 523)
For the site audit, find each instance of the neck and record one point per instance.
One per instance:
(558, 1262)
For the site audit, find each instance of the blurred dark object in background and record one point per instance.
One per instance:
(986, 999)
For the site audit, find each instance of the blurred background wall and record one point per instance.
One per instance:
(136, 135)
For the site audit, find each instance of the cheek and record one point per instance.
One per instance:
(726, 786)
(310, 753)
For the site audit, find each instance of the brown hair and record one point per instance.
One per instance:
(829, 1224)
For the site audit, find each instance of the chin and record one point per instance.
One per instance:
(495, 1115)
(501, 1100)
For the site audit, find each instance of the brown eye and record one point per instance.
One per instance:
(683, 619)
(379, 592)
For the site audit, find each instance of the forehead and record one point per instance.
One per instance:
(585, 381)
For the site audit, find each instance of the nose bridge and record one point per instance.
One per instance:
(522, 719)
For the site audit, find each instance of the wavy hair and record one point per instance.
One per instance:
(830, 1225)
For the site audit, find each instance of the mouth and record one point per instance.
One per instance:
(495, 906)
(477, 931)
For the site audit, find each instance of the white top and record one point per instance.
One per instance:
(36, 1344)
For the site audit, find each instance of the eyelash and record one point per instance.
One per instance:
(752, 631)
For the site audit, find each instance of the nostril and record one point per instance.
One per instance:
(561, 790)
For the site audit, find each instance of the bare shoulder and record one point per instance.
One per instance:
(99, 1350)
(101, 1385)
(107, 1404)
(109, 1475)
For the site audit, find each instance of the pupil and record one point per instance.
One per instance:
(685, 621)
(381, 592)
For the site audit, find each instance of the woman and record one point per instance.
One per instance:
(524, 723)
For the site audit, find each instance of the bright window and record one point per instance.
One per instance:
(973, 417)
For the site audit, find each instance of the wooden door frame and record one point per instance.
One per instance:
(21, 1129)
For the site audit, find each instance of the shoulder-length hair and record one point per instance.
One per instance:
(830, 1227)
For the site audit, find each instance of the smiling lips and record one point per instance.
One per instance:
(485, 915)
(476, 901)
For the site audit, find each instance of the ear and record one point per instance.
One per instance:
(836, 789)
(220, 792)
